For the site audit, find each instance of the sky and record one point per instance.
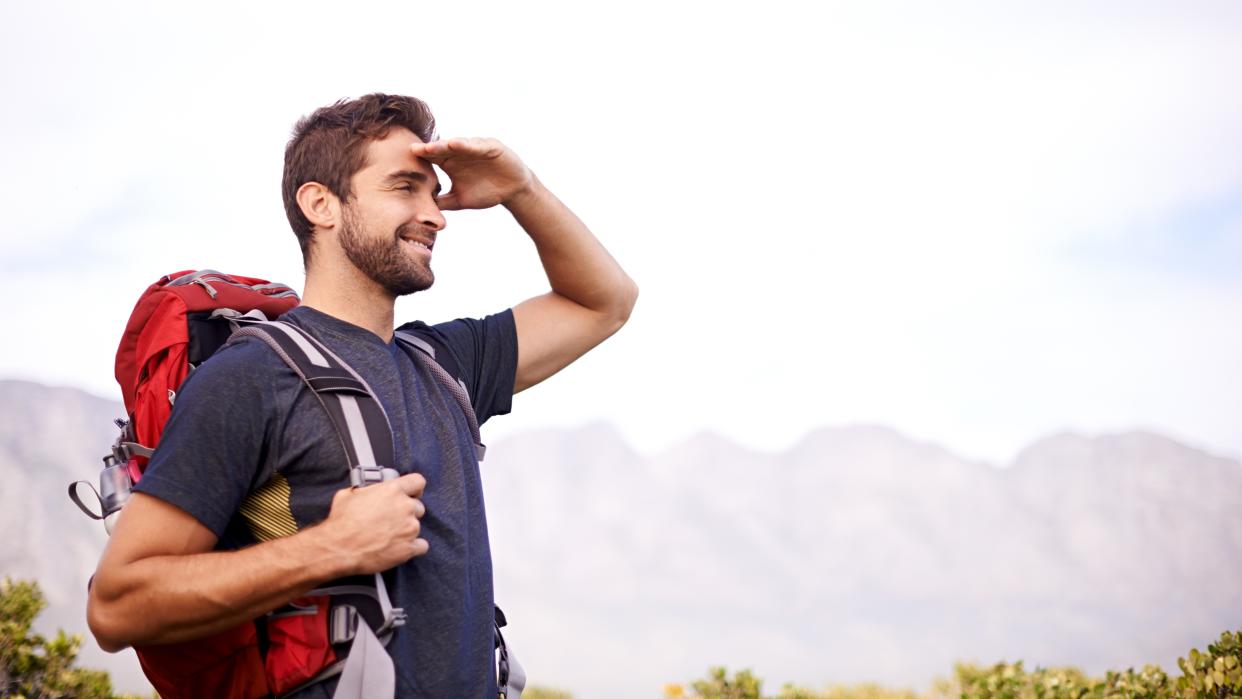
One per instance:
(979, 223)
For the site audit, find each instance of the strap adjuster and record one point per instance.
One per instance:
(343, 624)
(362, 476)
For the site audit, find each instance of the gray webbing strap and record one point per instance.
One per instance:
(354, 424)
(344, 365)
(368, 670)
(236, 318)
(427, 354)
(137, 449)
(300, 339)
(417, 342)
(357, 429)
(392, 617)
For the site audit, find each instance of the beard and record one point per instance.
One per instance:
(383, 261)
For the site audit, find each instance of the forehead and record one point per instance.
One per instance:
(391, 154)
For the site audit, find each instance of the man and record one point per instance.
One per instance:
(246, 504)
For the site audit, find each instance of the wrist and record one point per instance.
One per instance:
(526, 197)
(326, 555)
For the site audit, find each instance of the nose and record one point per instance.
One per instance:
(431, 217)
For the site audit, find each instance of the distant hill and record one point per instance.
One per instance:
(858, 554)
(50, 437)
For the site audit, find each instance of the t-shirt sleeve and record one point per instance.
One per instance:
(214, 448)
(485, 353)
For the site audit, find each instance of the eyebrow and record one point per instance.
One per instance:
(411, 175)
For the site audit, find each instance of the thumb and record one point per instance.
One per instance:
(339, 497)
(448, 201)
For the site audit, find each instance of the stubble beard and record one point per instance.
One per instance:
(383, 260)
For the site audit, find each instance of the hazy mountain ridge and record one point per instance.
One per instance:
(855, 554)
(862, 554)
(49, 437)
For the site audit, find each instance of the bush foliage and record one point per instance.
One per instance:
(34, 666)
(1216, 674)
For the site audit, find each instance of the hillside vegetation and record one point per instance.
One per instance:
(34, 666)
(1215, 674)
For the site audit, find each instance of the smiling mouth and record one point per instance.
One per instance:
(418, 244)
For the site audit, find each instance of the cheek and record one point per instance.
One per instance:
(407, 209)
(387, 217)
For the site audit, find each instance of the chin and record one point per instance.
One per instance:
(410, 285)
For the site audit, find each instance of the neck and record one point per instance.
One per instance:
(337, 288)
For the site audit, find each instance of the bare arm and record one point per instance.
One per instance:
(591, 296)
(160, 582)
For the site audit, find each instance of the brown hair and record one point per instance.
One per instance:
(329, 146)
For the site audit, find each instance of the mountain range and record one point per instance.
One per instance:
(858, 554)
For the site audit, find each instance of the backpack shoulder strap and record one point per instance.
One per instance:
(360, 421)
(366, 437)
(426, 354)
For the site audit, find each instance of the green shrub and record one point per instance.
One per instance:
(1216, 674)
(33, 666)
(1012, 681)
(718, 685)
(537, 692)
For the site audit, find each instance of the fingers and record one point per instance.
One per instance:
(421, 546)
(411, 484)
(473, 148)
(433, 151)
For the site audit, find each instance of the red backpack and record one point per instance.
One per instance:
(169, 333)
(178, 323)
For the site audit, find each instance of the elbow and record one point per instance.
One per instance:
(105, 633)
(627, 297)
(105, 622)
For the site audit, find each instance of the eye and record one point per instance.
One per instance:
(406, 187)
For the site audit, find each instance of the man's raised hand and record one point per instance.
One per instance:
(484, 171)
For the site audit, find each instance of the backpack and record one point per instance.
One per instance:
(341, 628)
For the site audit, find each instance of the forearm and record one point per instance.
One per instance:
(577, 265)
(171, 598)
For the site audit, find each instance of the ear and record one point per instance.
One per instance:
(319, 205)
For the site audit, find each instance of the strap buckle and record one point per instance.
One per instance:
(343, 624)
(362, 476)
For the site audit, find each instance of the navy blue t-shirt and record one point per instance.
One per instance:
(250, 453)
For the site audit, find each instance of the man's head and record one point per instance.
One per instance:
(348, 152)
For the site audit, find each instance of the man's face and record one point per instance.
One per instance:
(390, 223)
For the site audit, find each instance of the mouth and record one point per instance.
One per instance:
(418, 243)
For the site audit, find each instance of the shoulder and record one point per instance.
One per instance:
(481, 353)
(464, 336)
